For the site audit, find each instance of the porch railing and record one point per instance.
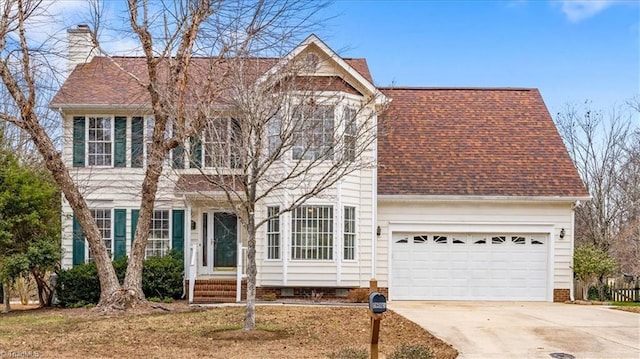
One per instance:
(193, 271)
(241, 272)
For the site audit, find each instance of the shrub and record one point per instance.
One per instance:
(270, 297)
(411, 351)
(358, 295)
(163, 277)
(161, 280)
(594, 292)
(78, 285)
(349, 353)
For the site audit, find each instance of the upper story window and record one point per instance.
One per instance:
(350, 131)
(314, 132)
(99, 141)
(222, 140)
(148, 136)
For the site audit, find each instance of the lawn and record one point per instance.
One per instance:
(633, 307)
(183, 332)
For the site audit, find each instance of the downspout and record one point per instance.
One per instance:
(340, 234)
(573, 242)
(374, 206)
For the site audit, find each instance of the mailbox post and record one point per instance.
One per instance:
(377, 306)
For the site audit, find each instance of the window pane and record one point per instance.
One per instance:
(312, 233)
(159, 242)
(99, 141)
(102, 218)
(349, 233)
(273, 234)
(314, 135)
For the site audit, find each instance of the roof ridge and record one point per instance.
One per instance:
(211, 57)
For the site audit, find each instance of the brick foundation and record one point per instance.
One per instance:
(313, 293)
(561, 295)
(224, 290)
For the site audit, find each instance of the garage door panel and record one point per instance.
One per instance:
(502, 268)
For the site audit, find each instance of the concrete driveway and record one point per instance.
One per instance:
(528, 329)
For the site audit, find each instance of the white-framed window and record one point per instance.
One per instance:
(104, 223)
(312, 233)
(273, 233)
(273, 133)
(350, 132)
(100, 141)
(221, 143)
(150, 123)
(349, 245)
(314, 135)
(159, 242)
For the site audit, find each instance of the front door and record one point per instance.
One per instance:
(225, 240)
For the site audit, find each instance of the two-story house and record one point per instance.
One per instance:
(471, 198)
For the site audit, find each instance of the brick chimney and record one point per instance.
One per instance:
(80, 47)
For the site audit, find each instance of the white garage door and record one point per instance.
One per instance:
(476, 266)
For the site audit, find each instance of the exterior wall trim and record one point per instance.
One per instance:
(439, 198)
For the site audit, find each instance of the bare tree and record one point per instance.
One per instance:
(284, 137)
(626, 247)
(605, 152)
(170, 34)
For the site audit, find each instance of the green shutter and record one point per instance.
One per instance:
(196, 152)
(78, 242)
(78, 141)
(119, 233)
(178, 157)
(134, 223)
(137, 141)
(177, 235)
(120, 146)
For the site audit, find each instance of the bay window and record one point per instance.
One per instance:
(314, 135)
(312, 233)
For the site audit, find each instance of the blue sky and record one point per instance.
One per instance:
(572, 51)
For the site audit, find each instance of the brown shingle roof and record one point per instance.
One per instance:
(105, 81)
(203, 183)
(473, 142)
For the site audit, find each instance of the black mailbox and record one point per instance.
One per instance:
(377, 303)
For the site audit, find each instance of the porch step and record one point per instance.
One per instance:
(215, 291)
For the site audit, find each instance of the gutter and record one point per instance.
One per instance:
(462, 198)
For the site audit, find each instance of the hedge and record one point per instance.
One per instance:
(162, 277)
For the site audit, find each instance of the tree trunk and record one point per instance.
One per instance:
(109, 285)
(6, 297)
(250, 312)
(132, 285)
(45, 292)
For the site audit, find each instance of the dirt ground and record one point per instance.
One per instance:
(179, 331)
(629, 309)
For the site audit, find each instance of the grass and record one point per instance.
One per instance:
(625, 304)
(633, 307)
(282, 332)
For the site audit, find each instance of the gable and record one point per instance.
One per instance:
(472, 142)
(353, 72)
